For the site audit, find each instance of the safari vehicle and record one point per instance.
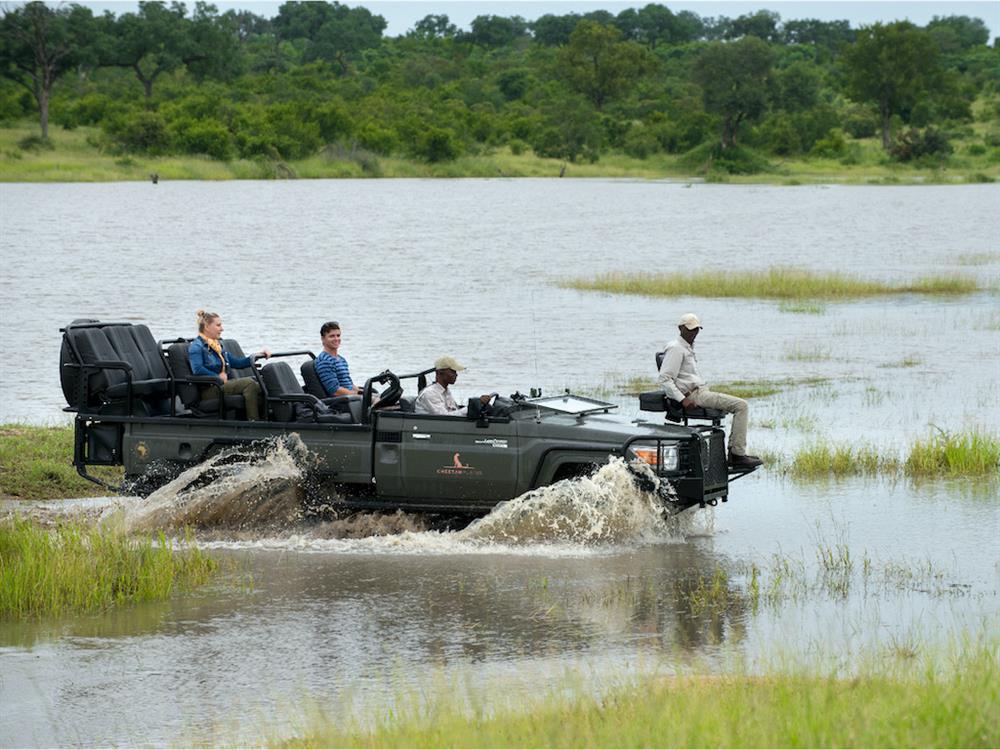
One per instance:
(138, 405)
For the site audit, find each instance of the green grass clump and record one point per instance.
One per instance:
(822, 459)
(748, 388)
(897, 704)
(775, 283)
(973, 453)
(78, 568)
(970, 454)
(36, 463)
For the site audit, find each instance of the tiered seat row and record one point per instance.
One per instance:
(121, 369)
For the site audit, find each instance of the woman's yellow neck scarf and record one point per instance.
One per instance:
(216, 347)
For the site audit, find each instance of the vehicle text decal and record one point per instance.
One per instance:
(457, 468)
(495, 442)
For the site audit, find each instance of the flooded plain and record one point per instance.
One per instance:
(344, 613)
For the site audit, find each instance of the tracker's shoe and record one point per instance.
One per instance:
(744, 462)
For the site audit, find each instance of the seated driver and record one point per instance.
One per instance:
(436, 398)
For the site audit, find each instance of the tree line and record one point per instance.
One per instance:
(166, 80)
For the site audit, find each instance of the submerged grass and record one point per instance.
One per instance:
(36, 464)
(909, 702)
(775, 283)
(79, 568)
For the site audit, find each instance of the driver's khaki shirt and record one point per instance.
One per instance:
(679, 371)
(436, 399)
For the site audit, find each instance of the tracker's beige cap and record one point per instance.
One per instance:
(448, 363)
(690, 321)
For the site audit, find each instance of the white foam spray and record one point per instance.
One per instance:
(252, 498)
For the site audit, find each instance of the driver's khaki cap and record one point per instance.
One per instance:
(690, 321)
(448, 363)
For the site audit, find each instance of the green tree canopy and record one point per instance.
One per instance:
(892, 66)
(39, 44)
(734, 79)
(599, 64)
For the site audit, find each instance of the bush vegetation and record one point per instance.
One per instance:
(725, 96)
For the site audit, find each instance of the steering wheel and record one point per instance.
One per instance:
(486, 409)
(389, 397)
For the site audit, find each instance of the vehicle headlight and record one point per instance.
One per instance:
(661, 456)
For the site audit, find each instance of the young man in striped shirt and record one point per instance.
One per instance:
(331, 367)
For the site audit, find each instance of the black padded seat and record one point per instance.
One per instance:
(103, 364)
(236, 351)
(284, 392)
(188, 387)
(314, 387)
(675, 411)
(310, 379)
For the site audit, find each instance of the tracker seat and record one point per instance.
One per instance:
(675, 411)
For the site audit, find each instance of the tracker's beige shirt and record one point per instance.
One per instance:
(679, 371)
(436, 399)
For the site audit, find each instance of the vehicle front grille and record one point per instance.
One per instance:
(717, 472)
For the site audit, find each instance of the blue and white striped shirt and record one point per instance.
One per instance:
(333, 373)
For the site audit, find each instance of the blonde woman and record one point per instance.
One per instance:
(207, 357)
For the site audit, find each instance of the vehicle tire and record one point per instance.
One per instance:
(144, 485)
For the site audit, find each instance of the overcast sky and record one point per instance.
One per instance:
(401, 15)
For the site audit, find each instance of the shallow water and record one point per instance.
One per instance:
(415, 269)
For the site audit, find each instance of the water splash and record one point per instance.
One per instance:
(253, 497)
(256, 488)
(606, 507)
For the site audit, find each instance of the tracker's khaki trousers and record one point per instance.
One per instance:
(732, 405)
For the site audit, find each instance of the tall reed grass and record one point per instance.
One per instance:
(890, 704)
(972, 454)
(775, 283)
(79, 568)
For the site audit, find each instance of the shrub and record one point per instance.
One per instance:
(861, 124)
(35, 143)
(976, 149)
(713, 159)
(832, 146)
(517, 146)
(207, 137)
(912, 144)
(378, 139)
(141, 131)
(641, 143)
(437, 144)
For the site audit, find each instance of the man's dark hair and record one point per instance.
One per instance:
(332, 325)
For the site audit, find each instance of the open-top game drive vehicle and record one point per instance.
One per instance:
(137, 405)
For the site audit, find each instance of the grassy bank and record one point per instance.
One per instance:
(72, 157)
(909, 706)
(78, 568)
(36, 464)
(774, 283)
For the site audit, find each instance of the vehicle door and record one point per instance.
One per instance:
(445, 457)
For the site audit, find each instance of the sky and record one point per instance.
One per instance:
(401, 15)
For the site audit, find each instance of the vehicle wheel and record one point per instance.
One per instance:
(144, 485)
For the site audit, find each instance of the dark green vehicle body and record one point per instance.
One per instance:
(392, 457)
